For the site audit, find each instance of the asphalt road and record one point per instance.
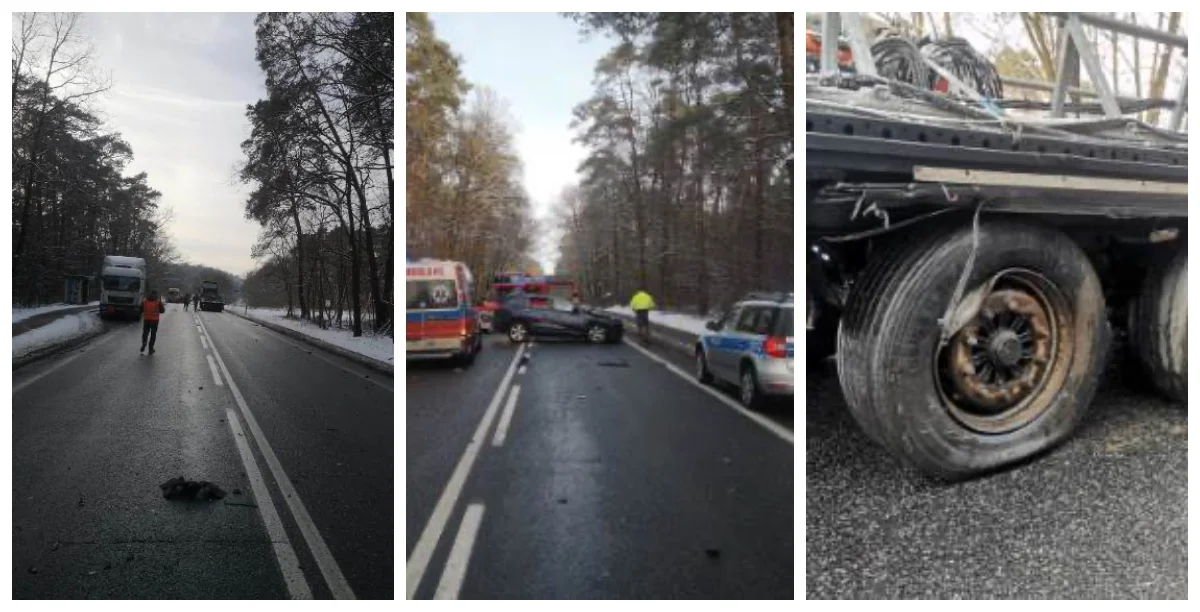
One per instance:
(96, 431)
(615, 478)
(1102, 517)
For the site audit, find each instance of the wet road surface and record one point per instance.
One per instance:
(1104, 516)
(301, 440)
(590, 472)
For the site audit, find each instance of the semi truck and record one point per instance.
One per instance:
(972, 261)
(122, 286)
(210, 297)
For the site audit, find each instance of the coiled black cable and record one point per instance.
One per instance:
(899, 59)
(958, 57)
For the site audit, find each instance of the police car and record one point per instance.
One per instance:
(751, 346)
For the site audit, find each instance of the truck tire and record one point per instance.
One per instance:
(1015, 381)
(1158, 327)
(821, 342)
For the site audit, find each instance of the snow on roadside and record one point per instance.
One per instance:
(20, 314)
(62, 330)
(382, 348)
(691, 324)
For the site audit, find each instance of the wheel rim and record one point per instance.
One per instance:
(517, 333)
(700, 365)
(596, 334)
(747, 387)
(993, 375)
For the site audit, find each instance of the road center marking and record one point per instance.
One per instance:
(289, 565)
(460, 554)
(506, 416)
(418, 561)
(203, 343)
(766, 423)
(216, 375)
(308, 529)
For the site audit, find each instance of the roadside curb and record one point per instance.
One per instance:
(58, 348)
(51, 317)
(363, 360)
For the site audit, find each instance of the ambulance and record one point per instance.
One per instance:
(440, 322)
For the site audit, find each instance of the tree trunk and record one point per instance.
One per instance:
(381, 314)
(785, 23)
(355, 276)
(299, 260)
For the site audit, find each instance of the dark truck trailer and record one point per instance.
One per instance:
(210, 297)
(970, 276)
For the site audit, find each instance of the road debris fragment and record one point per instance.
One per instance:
(179, 488)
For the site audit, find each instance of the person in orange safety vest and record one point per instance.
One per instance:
(152, 307)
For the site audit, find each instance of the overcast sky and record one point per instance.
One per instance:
(541, 66)
(181, 83)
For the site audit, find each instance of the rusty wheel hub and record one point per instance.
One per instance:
(1002, 356)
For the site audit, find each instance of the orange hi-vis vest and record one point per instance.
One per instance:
(150, 310)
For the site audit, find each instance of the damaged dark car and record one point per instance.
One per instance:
(524, 317)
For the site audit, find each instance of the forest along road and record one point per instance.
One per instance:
(300, 440)
(590, 472)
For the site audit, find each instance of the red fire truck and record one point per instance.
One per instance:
(540, 286)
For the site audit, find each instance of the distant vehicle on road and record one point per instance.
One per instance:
(122, 286)
(210, 297)
(751, 346)
(542, 286)
(526, 316)
(174, 296)
(440, 322)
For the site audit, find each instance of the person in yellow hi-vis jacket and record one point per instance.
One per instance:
(641, 305)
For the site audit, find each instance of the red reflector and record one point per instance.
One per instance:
(775, 347)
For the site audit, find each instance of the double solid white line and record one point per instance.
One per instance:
(418, 561)
(460, 554)
(289, 565)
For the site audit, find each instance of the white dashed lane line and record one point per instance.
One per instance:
(422, 554)
(506, 416)
(215, 374)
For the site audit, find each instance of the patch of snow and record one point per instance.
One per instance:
(20, 314)
(382, 348)
(62, 330)
(688, 323)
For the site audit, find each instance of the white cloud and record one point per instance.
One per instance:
(181, 85)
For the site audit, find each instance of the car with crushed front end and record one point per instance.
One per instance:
(523, 317)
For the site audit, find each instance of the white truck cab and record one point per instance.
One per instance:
(122, 286)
